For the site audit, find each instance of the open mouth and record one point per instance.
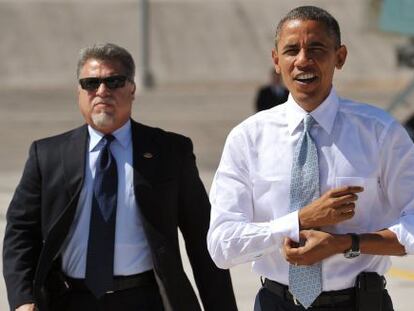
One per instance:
(306, 78)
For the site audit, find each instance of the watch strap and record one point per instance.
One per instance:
(355, 242)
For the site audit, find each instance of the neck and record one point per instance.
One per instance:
(308, 107)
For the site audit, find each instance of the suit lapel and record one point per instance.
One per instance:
(145, 154)
(146, 163)
(73, 154)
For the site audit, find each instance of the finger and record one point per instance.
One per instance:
(341, 191)
(293, 258)
(292, 252)
(286, 243)
(346, 214)
(304, 234)
(345, 208)
(348, 198)
(290, 243)
(287, 246)
(346, 203)
(305, 238)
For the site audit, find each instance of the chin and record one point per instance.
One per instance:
(103, 120)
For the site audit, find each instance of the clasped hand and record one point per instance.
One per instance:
(318, 245)
(333, 207)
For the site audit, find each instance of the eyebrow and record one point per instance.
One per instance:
(317, 44)
(295, 45)
(290, 46)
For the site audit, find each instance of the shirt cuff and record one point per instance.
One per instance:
(286, 226)
(404, 237)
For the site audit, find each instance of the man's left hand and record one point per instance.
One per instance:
(318, 245)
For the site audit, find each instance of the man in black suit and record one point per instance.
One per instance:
(409, 126)
(112, 186)
(272, 94)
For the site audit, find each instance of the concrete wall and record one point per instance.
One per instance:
(40, 40)
(192, 41)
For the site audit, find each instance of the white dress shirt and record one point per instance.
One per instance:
(357, 144)
(132, 254)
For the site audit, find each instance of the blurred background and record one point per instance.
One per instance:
(200, 64)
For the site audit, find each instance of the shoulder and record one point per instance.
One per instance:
(369, 119)
(364, 110)
(163, 137)
(261, 122)
(177, 140)
(62, 138)
(365, 113)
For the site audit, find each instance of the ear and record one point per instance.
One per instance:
(341, 54)
(133, 90)
(275, 58)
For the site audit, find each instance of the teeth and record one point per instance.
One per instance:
(305, 76)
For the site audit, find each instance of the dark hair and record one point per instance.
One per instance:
(108, 52)
(312, 13)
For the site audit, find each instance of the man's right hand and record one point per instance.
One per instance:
(26, 307)
(334, 206)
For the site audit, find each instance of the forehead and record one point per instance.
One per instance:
(100, 67)
(298, 31)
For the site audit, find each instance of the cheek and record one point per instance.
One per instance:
(124, 102)
(286, 72)
(85, 103)
(329, 72)
(286, 65)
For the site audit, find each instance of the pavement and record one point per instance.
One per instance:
(205, 114)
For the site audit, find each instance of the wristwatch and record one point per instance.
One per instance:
(354, 250)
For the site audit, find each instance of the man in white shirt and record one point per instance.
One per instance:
(365, 210)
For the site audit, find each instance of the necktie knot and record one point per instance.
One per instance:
(104, 159)
(108, 139)
(308, 122)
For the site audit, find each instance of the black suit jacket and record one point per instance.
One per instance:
(169, 192)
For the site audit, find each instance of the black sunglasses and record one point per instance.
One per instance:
(112, 82)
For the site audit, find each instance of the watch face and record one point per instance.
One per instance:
(351, 254)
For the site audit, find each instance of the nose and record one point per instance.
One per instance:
(102, 90)
(303, 58)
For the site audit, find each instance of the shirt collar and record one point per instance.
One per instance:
(122, 136)
(324, 114)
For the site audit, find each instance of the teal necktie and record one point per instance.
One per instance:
(305, 282)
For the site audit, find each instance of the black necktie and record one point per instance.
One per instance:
(100, 256)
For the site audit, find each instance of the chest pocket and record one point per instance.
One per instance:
(366, 206)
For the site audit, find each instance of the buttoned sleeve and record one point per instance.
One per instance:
(238, 233)
(398, 182)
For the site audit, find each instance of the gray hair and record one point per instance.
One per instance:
(312, 13)
(108, 52)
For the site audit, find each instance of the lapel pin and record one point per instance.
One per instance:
(147, 155)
